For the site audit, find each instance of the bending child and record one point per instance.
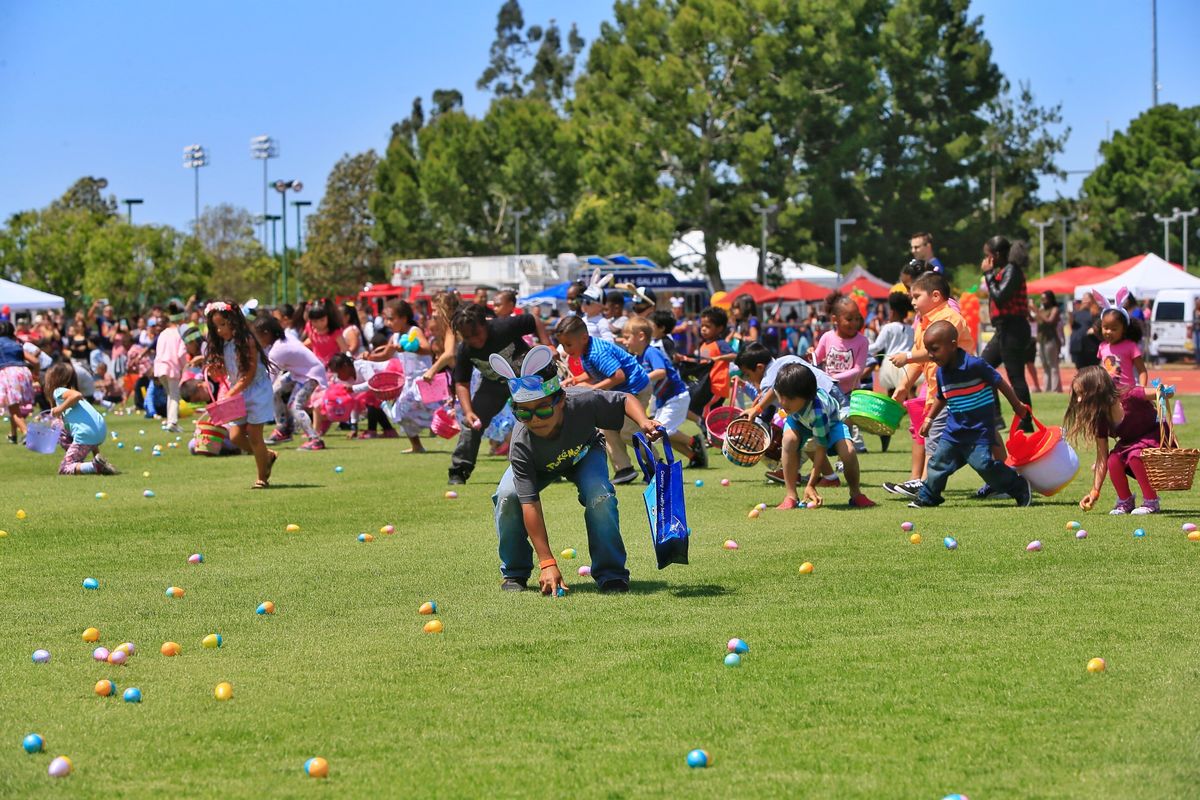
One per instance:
(83, 427)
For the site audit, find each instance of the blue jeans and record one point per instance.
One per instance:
(952, 456)
(599, 502)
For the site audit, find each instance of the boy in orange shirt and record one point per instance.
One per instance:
(716, 352)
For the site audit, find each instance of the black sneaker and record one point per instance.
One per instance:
(1023, 495)
(617, 586)
(985, 491)
(456, 480)
(514, 585)
(907, 489)
(699, 454)
(916, 503)
(627, 475)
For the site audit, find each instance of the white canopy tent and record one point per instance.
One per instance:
(22, 298)
(739, 262)
(1144, 280)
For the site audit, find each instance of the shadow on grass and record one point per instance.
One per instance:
(277, 486)
(656, 587)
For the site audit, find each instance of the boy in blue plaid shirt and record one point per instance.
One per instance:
(812, 413)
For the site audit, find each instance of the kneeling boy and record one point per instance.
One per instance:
(813, 413)
(558, 435)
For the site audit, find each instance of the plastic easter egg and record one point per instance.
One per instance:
(316, 767)
(115, 435)
(1074, 525)
(724, 481)
(585, 571)
(956, 797)
(195, 558)
(754, 513)
(141, 433)
(906, 526)
(41, 656)
(561, 592)
(1139, 533)
(224, 691)
(388, 530)
(137, 448)
(146, 474)
(101, 654)
(1081, 534)
(127, 648)
(212, 641)
(806, 568)
(3, 534)
(292, 528)
(118, 657)
(148, 493)
(730, 544)
(91, 583)
(433, 626)
(427, 608)
(1097, 665)
(156, 453)
(950, 542)
(1033, 547)
(132, 695)
(733, 660)
(170, 649)
(157, 447)
(120, 445)
(915, 538)
(174, 591)
(761, 506)
(91, 635)
(699, 483)
(101, 495)
(737, 646)
(1194, 536)
(698, 759)
(569, 553)
(1188, 527)
(33, 743)
(21, 513)
(451, 495)
(106, 688)
(266, 607)
(366, 537)
(60, 767)
(339, 470)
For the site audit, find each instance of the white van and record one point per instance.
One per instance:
(1172, 322)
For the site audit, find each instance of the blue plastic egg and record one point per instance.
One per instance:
(733, 660)
(41, 656)
(950, 542)
(33, 743)
(120, 445)
(339, 470)
(132, 695)
(698, 759)
(148, 493)
(91, 583)
(699, 483)
(1139, 533)
(737, 646)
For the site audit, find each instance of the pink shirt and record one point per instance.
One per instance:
(1118, 360)
(323, 344)
(843, 359)
(292, 356)
(170, 354)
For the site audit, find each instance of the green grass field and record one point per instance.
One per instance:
(894, 671)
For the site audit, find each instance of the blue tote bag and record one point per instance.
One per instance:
(664, 502)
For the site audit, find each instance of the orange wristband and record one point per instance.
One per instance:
(549, 562)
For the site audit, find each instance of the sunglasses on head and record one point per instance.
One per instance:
(541, 412)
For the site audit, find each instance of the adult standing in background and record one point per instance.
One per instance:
(921, 247)
(1004, 278)
(1049, 336)
(1084, 345)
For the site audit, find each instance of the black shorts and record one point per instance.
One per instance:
(702, 395)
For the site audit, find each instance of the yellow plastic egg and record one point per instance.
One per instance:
(91, 635)
(433, 626)
(224, 690)
(806, 568)
(1097, 665)
(292, 528)
(1194, 536)
(20, 513)
(915, 538)
(754, 513)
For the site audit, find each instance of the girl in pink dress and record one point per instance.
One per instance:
(1119, 352)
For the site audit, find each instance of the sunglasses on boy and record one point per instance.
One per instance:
(541, 412)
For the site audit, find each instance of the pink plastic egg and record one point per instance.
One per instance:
(100, 654)
(117, 657)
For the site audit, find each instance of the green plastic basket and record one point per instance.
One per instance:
(875, 413)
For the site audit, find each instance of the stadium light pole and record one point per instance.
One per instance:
(299, 204)
(264, 148)
(273, 218)
(1064, 219)
(1183, 215)
(282, 187)
(1041, 226)
(517, 215)
(837, 242)
(195, 157)
(764, 212)
(137, 201)
(1166, 223)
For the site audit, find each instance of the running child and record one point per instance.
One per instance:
(307, 376)
(669, 395)
(83, 428)
(557, 436)
(235, 355)
(1101, 409)
(717, 354)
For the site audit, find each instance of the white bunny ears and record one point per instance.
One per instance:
(1122, 296)
(595, 290)
(529, 385)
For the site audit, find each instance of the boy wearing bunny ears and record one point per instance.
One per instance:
(557, 435)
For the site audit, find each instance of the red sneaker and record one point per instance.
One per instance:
(826, 483)
(788, 504)
(312, 444)
(862, 501)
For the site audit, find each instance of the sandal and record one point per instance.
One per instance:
(261, 485)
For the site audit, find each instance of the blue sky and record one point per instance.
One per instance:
(117, 89)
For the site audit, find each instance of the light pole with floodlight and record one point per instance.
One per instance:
(1183, 215)
(837, 243)
(1166, 223)
(1041, 226)
(264, 148)
(282, 187)
(299, 204)
(137, 201)
(195, 157)
(763, 211)
(1064, 219)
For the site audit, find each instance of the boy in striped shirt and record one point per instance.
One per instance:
(964, 387)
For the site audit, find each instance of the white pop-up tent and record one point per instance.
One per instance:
(739, 262)
(22, 298)
(1144, 280)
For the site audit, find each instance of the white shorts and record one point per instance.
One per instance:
(671, 414)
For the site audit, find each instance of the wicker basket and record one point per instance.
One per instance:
(1170, 468)
(745, 441)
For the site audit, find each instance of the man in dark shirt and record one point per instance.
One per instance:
(480, 337)
(1004, 276)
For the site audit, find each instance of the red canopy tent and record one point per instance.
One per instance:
(758, 293)
(872, 289)
(797, 291)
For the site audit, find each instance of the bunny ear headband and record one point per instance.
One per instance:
(529, 386)
(595, 291)
(1122, 296)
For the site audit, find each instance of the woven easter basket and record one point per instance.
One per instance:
(1170, 468)
(745, 442)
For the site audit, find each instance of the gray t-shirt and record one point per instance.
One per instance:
(534, 458)
(768, 379)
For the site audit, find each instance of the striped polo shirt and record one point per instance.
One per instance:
(967, 385)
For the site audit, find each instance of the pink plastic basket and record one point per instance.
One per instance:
(386, 385)
(717, 420)
(226, 410)
(435, 391)
(444, 424)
